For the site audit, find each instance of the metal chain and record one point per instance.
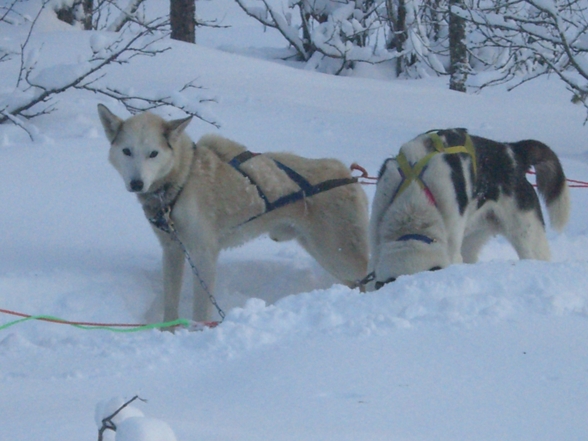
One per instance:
(203, 284)
(165, 223)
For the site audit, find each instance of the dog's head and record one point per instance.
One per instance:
(405, 257)
(142, 147)
(409, 237)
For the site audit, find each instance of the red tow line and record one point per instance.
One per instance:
(369, 180)
(572, 183)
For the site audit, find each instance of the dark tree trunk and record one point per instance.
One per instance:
(397, 24)
(396, 18)
(182, 17)
(458, 54)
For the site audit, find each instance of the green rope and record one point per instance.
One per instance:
(51, 319)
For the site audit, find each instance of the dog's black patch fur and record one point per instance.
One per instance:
(383, 168)
(498, 173)
(458, 179)
(537, 153)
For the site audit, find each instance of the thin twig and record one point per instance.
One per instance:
(107, 423)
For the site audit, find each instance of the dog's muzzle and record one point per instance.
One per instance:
(136, 185)
(378, 284)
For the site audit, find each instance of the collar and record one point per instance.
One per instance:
(419, 237)
(159, 204)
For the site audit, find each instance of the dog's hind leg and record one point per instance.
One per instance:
(529, 239)
(339, 247)
(283, 233)
(526, 233)
(473, 243)
(347, 262)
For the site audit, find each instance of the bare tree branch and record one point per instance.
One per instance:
(23, 69)
(107, 423)
(535, 38)
(7, 10)
(136, 103)
(36, 88)
(127, 14)
(120, 52)
(17, 122)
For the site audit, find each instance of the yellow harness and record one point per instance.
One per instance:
(411, 173)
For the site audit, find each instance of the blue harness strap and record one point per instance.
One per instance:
(241, 158)
(306, 188)
(415, 236)
(236, 164)
(296, 177)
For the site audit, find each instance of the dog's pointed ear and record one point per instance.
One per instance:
(110, 122)
(174, 128)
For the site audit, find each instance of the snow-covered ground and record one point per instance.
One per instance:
(492, 351)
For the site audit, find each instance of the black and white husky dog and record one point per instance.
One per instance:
(447, 193)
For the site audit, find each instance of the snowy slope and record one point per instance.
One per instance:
(492, 351)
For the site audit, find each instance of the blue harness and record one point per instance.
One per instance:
(306, 188)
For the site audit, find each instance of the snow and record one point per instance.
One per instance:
(129, 423)
(491, 351)
(145, 429)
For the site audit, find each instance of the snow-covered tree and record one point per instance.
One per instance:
(99, 14)
(418, 32)
(525, 39)
(333, 35)
(37, 88)
(76, 12)
(329, 35)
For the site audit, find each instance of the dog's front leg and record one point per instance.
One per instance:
(204, 259)
(173, 271)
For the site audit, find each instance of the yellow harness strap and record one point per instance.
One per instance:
(468, 147)
(413, 173)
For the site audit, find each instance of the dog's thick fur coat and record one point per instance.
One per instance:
(460, 202)
(216, 206)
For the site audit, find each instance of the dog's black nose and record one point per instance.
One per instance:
(136, 185)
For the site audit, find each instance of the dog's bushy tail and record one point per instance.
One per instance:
(551, 180)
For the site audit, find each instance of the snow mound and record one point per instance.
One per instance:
(130, 423)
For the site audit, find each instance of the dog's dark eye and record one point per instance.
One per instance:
(126, 152)
(435, 268)
(153, 154)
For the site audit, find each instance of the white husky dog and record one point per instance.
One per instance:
(221, 195)
(447, 193)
